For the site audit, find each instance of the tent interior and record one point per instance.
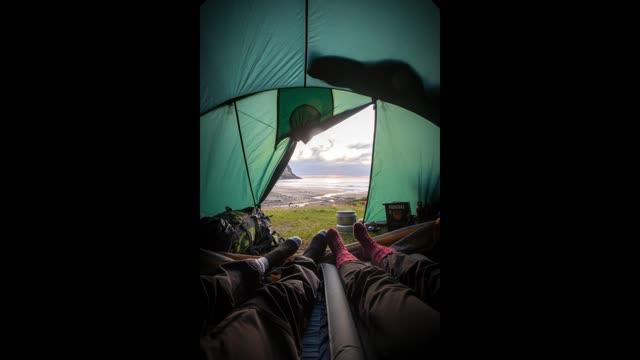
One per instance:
(252, 140)
(273, 73)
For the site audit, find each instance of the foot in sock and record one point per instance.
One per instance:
(318, 245)
(337, 247)
(277, 256)
(370, 249)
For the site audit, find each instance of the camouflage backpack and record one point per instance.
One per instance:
(246, 231)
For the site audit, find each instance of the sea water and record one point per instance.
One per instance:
(328, 182)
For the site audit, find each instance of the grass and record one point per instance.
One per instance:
(306, 221)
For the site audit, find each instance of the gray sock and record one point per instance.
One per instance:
(263, 264)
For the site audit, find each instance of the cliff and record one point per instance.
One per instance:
(288, 174)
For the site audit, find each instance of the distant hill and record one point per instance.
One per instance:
(288, 174)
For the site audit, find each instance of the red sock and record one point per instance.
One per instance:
(370, 249)
(337, 247)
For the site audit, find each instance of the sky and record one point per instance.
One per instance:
(344, 149)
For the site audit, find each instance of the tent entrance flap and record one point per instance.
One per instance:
(246, 144)
(221, 159)
(405, 162)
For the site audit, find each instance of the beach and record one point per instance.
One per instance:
(310, 191)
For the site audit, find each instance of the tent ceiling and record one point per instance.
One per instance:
(270, 70)
(249, 46)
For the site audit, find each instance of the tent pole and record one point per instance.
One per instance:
(246, 166)
(306, 39)
(373, 151)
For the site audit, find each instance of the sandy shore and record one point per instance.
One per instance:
(285, 197)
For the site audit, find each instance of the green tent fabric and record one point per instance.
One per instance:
(258, 126)
(371, 30)
(240, 150)
(248, 46)
(314, 101)
(257, 98)
(220, 160)
(406, 161)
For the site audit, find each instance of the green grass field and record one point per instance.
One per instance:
(306, 221)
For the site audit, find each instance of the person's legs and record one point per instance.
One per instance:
(270, 323)
(236, 281)
(416, 271)
(400, 324)
(318, 245)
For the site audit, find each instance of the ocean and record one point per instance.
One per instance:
(331, 182)
(316, 189)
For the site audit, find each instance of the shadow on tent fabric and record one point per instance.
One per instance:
(392, 81)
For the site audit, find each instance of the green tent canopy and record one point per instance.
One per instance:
(257, 98)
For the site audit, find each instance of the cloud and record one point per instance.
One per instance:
(328, 150)
(359, 146)
(354, 158)
(345, 148)
(365, 159)
(319, 151)
(319, 167)
(316, 151)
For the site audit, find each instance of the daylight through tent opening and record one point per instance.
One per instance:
(405, 156)
(274, 73)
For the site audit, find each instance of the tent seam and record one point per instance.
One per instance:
(244, 155)
(306, 40)
(373, 151)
